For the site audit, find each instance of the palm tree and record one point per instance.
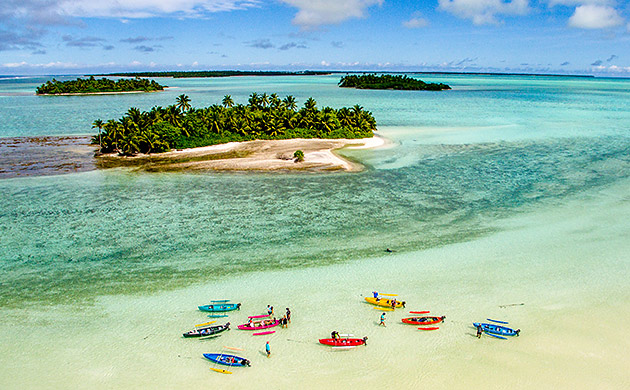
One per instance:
(173, 116)
(114, 130)
(216, 121)
(183, 102)
(254, 101)
(98, 123)
(274, 101)
(290, 103)
(310, 104)
(227, 101)
(345, 117)
(264, 100)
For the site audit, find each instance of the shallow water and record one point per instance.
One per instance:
(505, 190)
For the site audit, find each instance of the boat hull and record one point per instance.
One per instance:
(207, 331)
(220, 307)
(257, 325)
(423, 320)
(383, 302)
(227, 360)
(342, 342)
(497, 329)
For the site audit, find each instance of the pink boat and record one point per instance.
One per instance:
(262, 324)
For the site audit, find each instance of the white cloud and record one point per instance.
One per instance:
(57, 65)
(416, 22)
(580, 2)
(612, 69)
(53, 11)
(484, 11)
(591, 16)
(313, 13)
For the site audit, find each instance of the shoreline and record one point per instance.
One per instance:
(58, 155)
(95, 93)
(256, 156)
(118, 341)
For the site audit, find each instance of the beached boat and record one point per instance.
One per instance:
(423, 320)
(344, 342)
(217, 307)
(493, 329)
(228, 360)
(207, 331)
(261, 324)
(384, 302)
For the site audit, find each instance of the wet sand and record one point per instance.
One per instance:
(44, 156)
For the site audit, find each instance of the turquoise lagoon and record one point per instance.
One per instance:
(506, 190)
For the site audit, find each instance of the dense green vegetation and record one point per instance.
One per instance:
(265, 116)
(217, 73)
(386, 81)
(92, 85)
(298, 155)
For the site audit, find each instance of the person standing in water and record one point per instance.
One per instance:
(288, 315)
(268, 349)
(382, 319)
(479, 331)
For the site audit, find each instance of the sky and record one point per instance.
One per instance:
(514, 36)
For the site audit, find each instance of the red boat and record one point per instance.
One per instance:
(345, 342)
(423, 320)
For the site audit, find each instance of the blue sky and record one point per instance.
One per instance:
(532, 36)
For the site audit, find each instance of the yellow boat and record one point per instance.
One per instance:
(384, 302)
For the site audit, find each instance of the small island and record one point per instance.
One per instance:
(264, 134)
(386, 81)
(97, 86)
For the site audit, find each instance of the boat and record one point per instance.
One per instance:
(384, 302)
(423, 320)
(264, 333)
(217, 307)
(344, 342)
(261, 324)
(493, 329)
(227, 360)
(207, 331)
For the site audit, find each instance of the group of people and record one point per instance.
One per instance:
(284, 321)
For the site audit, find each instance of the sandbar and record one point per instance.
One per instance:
(258, 155)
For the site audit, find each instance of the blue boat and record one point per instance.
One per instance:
(220, 307)
(497, 330)
(227, 360)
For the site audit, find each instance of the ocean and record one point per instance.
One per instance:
(505, 198)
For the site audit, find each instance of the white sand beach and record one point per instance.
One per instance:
(548, 272)
(265, 155)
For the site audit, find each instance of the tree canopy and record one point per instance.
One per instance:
(387, 81)
(180, 125)
(92, 85)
